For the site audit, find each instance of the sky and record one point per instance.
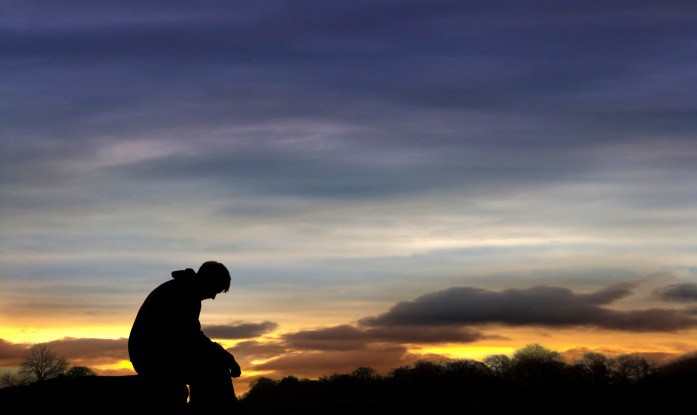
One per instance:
(386, 181)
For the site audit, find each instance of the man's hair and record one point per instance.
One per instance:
(216, 273)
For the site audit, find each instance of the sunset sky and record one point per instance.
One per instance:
(386, 181)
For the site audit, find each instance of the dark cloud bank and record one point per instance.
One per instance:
(536, 306)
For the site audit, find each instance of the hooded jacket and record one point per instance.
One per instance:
(167, 333)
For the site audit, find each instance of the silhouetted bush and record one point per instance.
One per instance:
(595, 368)
(9, 379)
(682, 370)
(629, 368)
(500, 365)
(536, 367)
(77, 371)
(262, 389)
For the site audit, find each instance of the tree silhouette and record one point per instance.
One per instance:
(499, 364)
(9, 379)
(365, 373)
(41, 364)
(537, 353)
(682, 370)
(77, 371)
(535, 365)
(629, 368)
(261, 388)
(595, 367)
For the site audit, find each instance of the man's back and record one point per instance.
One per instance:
(166, 328)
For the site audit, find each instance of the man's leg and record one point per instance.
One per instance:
(211, 387)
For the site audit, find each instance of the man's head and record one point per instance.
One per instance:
(213, 278)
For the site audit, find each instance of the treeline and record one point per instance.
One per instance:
(531, 371)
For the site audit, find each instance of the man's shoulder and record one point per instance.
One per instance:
(173, 288)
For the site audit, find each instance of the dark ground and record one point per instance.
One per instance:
(118, 394)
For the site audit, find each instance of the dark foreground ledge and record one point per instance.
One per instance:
(123, 395)
(74, 395)
(549, 401)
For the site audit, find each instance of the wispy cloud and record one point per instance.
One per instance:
(348, 337)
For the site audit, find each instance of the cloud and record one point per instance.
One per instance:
(536, 306)
(684, 293)
(239, 330)
(252, 350)
(348, 337)
(344, 347)
(90, 351)
(343, 337)
(11, 354)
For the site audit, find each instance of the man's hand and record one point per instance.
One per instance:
(229, 361)
(235, 370)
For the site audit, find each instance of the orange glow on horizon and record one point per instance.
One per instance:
(465, 352)
(34, 334)
(118, 366)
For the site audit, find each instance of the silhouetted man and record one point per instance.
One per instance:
(169, 350)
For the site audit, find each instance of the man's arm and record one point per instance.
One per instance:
(206, 345)
(230, 362)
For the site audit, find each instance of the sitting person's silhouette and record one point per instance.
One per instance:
(169, 350)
